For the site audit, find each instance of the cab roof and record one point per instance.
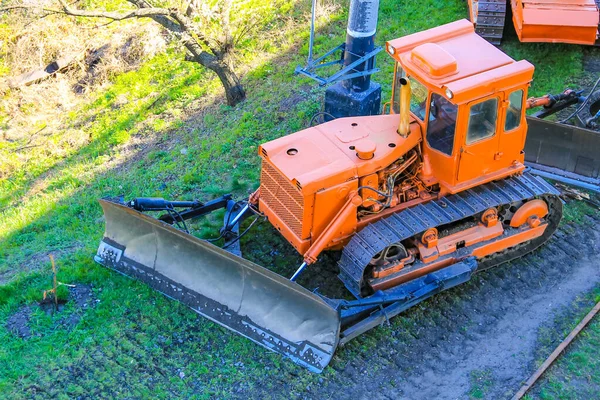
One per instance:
(454, 57)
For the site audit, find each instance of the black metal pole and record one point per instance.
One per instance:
(358, 95)
(360, 39)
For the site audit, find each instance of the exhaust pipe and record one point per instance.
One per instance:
(405, 93)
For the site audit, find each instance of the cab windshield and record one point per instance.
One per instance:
(442, 124)
(418, 99)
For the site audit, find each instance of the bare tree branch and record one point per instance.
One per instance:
(28, 7)
(139, 13)
(191, 8)
(176, 22)
(244, 31)
(225, 19)
(164, 20)
(171, 19)
(66, 9)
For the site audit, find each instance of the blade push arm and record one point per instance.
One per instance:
(194, 208)
(354, 201)
(553, 103)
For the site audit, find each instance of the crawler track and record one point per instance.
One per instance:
(490, 18)
(455, 208)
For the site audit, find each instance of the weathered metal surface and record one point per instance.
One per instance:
(489, 18)
(236, 293)
(565, 147)
(410, 222)
(568, 178)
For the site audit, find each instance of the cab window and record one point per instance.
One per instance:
(514, 110)
(442, 124)
(418, 98)
(482, 120)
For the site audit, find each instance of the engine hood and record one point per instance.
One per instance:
(328, 154)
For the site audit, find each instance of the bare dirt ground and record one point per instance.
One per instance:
(483, 338)
(503, 327)
(82, 297)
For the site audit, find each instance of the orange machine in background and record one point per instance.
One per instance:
(553, 21)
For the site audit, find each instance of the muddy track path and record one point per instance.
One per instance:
(489, 327)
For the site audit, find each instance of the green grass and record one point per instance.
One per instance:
(577, 211)
(155, 132)
(480, 383)
(576, 373)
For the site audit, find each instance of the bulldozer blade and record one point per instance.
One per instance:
(570, 149)
(229, 290)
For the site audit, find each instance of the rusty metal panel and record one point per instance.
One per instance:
(282, 197)
(566, 147)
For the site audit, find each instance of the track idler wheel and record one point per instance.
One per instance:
(530, 213)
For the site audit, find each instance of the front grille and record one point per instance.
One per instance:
(281, 196)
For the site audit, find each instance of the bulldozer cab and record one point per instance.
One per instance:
(468, 99)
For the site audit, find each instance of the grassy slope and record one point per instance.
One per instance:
(142, 140)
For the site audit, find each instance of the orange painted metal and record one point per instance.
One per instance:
(430, 238)
(405, 95)
(480, 71)
(368, 195)
(509, 241)
(490, 217)
(537, 208)
(409, 274)
(480, 68)
(468, 237)
(382, 272)
(383, 266)
(333, 230)
(556, 21)
(307, 175)
(533, 221)
(551, 21)
(534, 102)
(438, 261)
(366, 220)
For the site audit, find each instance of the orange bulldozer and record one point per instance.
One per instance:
(554, 21)
(416, 201)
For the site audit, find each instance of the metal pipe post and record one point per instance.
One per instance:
(358, 95)
(360, 39)
(312, 33)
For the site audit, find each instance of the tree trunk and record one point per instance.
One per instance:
(234, 91)
(178, 24)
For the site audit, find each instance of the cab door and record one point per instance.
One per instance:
(479, 145)
(513, 127)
